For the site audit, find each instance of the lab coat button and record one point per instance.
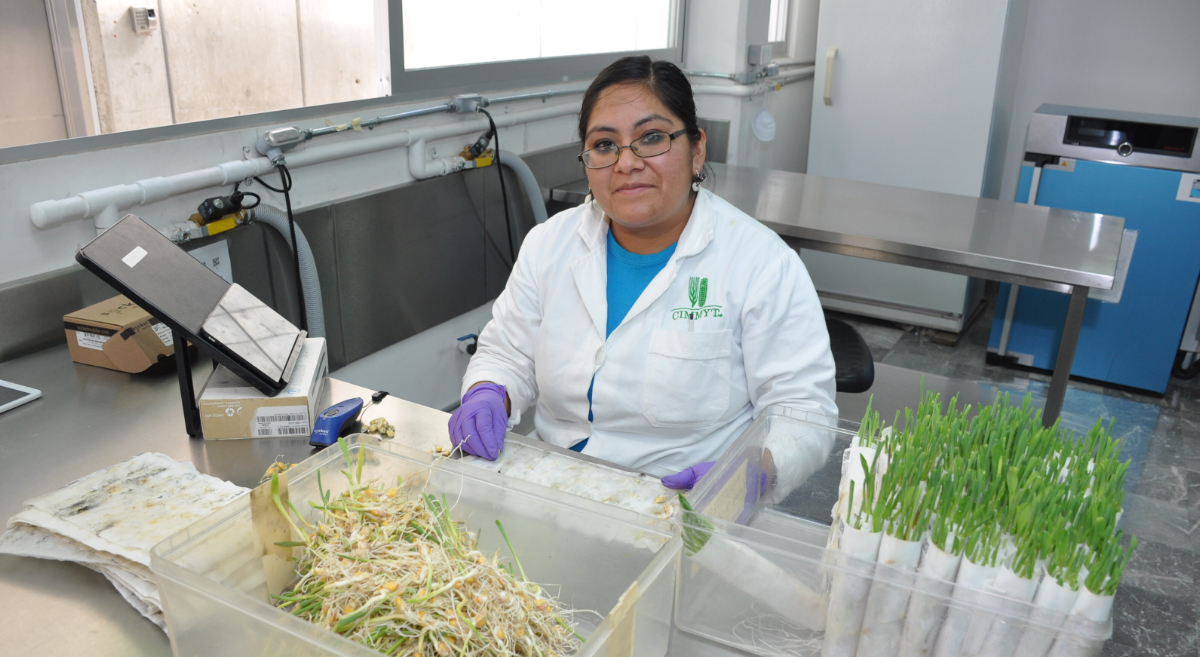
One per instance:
(599, 358)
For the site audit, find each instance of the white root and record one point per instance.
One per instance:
(927, 609)
(883, 623)
(1006, 626)
(849, 591)
(1052, 603)
(755, 575)
(1089, 609)
(772, 635)
(969, 583)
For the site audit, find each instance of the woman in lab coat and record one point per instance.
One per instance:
(652, 323)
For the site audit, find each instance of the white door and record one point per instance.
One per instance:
(911, 95)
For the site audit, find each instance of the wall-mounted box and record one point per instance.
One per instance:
(145, 19)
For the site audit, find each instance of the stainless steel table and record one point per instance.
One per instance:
(89, 418)
(1040, 247)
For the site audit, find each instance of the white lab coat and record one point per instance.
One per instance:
(730, 326)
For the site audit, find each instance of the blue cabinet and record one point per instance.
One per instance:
(1133, 342)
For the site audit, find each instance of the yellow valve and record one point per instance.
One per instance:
(228, 222)
(485, 159)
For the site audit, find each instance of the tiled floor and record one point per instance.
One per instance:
(1157, 606)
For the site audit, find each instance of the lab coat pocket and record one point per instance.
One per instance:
(687, 378)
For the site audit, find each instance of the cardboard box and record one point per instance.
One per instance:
(117, 334)
(230, 408)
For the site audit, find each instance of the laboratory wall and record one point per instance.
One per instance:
(384, 242)
(714, 44)
(30, 104)
(28, 251)
(1107, 54)
(397, 221)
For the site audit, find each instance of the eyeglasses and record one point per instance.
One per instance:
(605, 153)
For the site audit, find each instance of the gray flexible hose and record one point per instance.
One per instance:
(525, 175)
(310, 284)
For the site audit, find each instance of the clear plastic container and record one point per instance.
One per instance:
(767, 530)
(213, 582)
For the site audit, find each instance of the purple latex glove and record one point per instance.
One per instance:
(687, 478)
(480, 423)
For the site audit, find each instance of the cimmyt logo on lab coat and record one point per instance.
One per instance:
(698, 295)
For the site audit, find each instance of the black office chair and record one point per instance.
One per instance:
(855, 370)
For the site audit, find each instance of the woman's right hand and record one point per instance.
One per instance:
(479, 425)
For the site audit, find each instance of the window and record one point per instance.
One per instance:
(150, 63)
(167, 65)
(494, 44)
(482, 31)
(777, 30)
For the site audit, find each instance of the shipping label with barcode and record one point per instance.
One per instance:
(91, 340)
(281, 421)
(164, 333)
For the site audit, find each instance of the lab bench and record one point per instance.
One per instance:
(89, 418)
(1045, 248)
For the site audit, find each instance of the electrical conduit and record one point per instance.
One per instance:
(310, 284)
(106, 204)
(756, 88)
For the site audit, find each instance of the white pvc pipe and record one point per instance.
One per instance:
(740, 90)
(758, 88)
(421, 167)
(799, 73)
(107, 203)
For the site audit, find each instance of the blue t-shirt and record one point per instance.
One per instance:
(628, 276)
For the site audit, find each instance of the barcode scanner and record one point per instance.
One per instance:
(337, 420)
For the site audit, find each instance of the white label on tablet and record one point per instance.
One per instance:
(164, 333)
(280, 421)
(91, 340)
(135, 256)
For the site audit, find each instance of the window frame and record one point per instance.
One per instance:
(513, 73)
(429, 85)
(783, 49)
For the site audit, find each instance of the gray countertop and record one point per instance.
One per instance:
(1026, 244)
(89, 418)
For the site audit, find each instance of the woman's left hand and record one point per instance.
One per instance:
(686, 479)
(479, 425)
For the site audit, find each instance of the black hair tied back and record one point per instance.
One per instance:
(663, 79)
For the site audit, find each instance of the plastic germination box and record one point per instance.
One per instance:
(742, 610)
(213, 579)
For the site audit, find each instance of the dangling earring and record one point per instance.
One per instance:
(698, 178)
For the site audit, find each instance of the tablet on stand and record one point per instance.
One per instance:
(222, 319)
